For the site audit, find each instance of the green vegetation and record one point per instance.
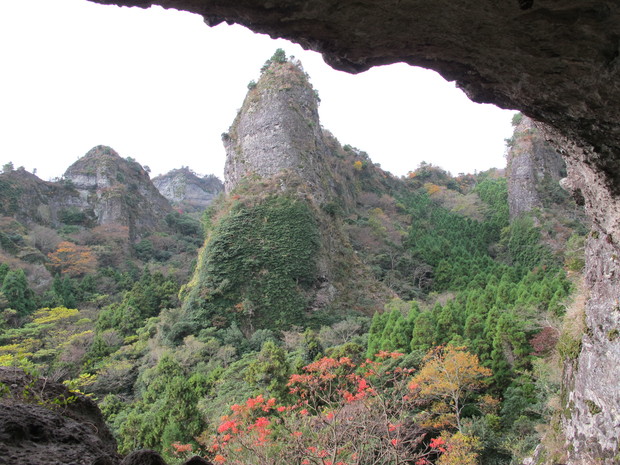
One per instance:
(16, 291)
(278, 57)
(516, 119)
(256, 267)
(273, 321)
(146, 298)
(9, 196)
(166, 365)
(74, 216)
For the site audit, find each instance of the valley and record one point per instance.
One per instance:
(311, 306)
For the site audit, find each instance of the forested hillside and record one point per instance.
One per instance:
(342, 316)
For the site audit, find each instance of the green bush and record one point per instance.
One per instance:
(516, 119)
(73, 216)
(183, 224)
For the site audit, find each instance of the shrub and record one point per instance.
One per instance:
(516, 119)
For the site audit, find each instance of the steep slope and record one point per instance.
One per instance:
(187, 191)
(31, 200)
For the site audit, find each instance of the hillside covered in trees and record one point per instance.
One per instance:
(333, 314)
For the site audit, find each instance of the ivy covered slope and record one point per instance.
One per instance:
(277, 253)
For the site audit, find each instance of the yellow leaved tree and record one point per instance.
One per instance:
(447, 380)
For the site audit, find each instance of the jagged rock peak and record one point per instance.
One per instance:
(277, 127)
(534, 167)
(118, 190)
(102, 167)
(188, 191)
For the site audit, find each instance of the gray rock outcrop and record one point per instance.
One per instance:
(41, 422)
(187, 191)
(591, 396)
(532, 165)
(118, 190)
(277, 129)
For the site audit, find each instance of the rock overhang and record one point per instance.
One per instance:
(556, 60)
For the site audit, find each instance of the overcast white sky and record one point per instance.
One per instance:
(161, 86)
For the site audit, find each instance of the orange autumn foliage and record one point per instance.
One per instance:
(432, 188)
(72, 259)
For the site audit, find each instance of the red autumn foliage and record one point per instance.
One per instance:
(342, 413)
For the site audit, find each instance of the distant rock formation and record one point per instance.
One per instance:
(187, 191)
(98, 189)
(534, 169)
(31, 200)
(118, 190)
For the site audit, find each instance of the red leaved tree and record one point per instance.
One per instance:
(343, 414)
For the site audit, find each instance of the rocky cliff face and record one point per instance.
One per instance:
(187, 191)
(31, 200)
(277, 245)
(118, 191)
(535, 175)
(41, 422)
(277, 129)
(591, 400)
(534, 169)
